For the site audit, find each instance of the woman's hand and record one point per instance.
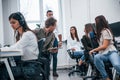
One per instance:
(73, 49)
(92, 51)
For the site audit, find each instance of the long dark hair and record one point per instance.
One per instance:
(89, 28)
(18, 16)
(76, 35)
(101, 23)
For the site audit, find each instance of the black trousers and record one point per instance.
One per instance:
(46, 63)
(23, 71)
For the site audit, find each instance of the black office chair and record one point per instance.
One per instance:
(36, 69)
(93, 73)
(76, 68)
(43, 60)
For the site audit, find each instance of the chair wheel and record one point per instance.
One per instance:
(70, 73)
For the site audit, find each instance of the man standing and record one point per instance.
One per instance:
(47, 33)
(55, 44)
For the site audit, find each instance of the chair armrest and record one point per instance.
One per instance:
(70, 52)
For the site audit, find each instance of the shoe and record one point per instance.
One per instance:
(55, 74)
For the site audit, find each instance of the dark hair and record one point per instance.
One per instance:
(18, 16)
(49, 11)
(76, 35)
(89, 28)
(50, 22)
(101, 23)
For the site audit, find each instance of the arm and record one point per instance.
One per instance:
(60, 40)
(60, 37)
(59, 32)
(106, 37)
(102, 47)
(86, 43)
(69, 42)
(49, 41)
(23, 42)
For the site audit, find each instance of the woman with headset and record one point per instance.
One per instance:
(26, 40)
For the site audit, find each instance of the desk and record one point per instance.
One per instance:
(4, 55)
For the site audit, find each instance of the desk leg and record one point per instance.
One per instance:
(8, 68)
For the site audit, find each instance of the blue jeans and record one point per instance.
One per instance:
(111, 56)
(55, 44)
(79, 53)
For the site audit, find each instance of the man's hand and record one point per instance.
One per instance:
(53, 50)
(59, 44)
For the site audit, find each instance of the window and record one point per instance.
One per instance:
(34, 11)
(51, 5)
(31, 12)
(54, 5)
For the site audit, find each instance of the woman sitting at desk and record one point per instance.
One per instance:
(74, 44)
(25, 38)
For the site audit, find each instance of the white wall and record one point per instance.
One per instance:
(109, 8)
(75, 13)
(80, 12)
(8, 6)
(1, 25)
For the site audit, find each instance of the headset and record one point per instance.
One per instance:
(22, 20)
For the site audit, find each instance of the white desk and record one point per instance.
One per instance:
(4, 55)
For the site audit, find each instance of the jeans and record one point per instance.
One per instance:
(79, 53)
(54, 55)
(111, 56)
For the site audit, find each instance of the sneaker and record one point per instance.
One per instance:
(55, 74)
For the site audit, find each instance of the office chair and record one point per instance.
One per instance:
(31, 70)
(77, 68)
(93, 72)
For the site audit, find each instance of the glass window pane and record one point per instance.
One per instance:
(51, 5)
(30, 9)
(33, 25)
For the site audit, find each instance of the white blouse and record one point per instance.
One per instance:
(27, 44)
(74, 44)
(106, 34)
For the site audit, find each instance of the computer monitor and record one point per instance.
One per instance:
(115, 27)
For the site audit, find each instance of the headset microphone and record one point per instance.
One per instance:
(22, 20)
(17, 28)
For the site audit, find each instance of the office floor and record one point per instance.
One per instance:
(63, 75)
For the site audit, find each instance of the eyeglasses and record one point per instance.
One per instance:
(72, 29)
